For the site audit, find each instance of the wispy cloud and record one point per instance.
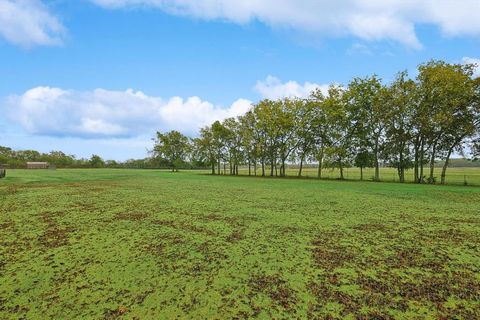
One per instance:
(374, 20)
(273, 88)
(29, 23)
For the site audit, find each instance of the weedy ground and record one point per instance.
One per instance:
(107, 244)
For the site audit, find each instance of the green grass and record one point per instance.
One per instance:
(155, 245)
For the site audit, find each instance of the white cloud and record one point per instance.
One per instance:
(111, 114)
(28, 23)
(272, 88)
(476, 61)
(370, 20)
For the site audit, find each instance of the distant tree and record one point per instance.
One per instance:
(173, 146)
(249, 144)
(448, 94)
(365, 107)
(111, 164)
(204, 149)
(364, 159)
(400, 107)
(96, 161)
(320, 127)
(305, 132)
(233, 143)
(340, 130)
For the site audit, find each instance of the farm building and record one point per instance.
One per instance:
(37, 165)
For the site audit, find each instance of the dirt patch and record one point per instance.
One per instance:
(236, 235)
(276, 288)
(328, 253)
(185, 226)
(54, 236)
(115, 314)
(405, 273)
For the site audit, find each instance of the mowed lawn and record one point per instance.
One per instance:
(96, 244)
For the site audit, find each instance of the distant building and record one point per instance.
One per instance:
(37, 165)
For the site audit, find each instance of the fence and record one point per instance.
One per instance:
(454, 176)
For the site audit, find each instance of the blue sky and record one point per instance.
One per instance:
(101, 76)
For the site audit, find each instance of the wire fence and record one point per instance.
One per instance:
(454, 176)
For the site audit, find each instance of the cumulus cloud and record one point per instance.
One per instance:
(371, 20)
(475, 61)
(272, 88)
(28, 23)
(111, 114)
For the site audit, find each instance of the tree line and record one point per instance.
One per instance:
(18, 159)
(409, 123)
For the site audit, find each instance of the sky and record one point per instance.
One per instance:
(102, 76)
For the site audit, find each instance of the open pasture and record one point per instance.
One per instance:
(139, 244)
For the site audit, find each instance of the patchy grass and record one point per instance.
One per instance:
(147, 244)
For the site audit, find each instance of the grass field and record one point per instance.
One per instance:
(138, 244)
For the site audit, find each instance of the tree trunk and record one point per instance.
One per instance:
(301, 166)
(341, 170)
(361, 173)
(422, 154)
(401, 167)
(263, 168)
(444, 170)
(432, 162)
(271, 166)
(249, 168)
(377, 165)
(320, 164)
(415, 164)
(213, 168)
(445, 165)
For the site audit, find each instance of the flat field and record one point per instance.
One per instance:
(138, 244)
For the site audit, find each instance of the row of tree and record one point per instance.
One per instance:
(18, 159)
(408, 123)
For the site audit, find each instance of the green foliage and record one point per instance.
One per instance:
(407, 123)
(173, 146)
(96, 161)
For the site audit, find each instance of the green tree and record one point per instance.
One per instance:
(364, 159)
(340, 130)
(365, 107)
(447, 93)
(173, 146)
(96, 161)
(204, 148)
(400, 106)
(249, 143)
